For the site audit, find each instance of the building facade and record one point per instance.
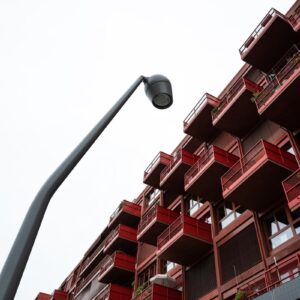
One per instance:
(220, 216)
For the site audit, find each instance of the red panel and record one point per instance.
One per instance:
(59, 295)
(114, 292)
(43, 296)
(291, 187)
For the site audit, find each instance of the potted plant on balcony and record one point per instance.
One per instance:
(254, 96)
(140, 289)
(240, 295)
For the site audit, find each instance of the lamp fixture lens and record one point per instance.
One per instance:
(162, 101)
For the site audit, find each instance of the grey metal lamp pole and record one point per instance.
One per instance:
(159, 91)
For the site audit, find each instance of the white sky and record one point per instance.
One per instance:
(62, 65)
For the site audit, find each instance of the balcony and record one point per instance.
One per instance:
(236, 113)
(153, 223)
(190, 143)
(127, 213)
(184, 233)
(114, 292)
(152, 173)
(203, 178)
(254, 181)
(122, 238)
(117, 268)
(279, 101)
(268, 42)
(92, 260)
(159, 292)
(171, 178)
(291, 187)
(59, 295)
(198, 122)
(43, 296)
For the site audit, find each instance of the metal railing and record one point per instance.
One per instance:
(259, 29)
(103, 294)
(147, 218)
(155, 161)
(295, 17)
(276, 275)
(291, 186)
(194, 112)
(146, 294)
(261, 149)
(281, 72)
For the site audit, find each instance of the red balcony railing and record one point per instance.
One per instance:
(198, 122)
(90, 259)
(117, 268)
(59, 295)
(172, 175)
(184, 233)
(275, 276)
(159, 292)
(263, 160)
(121, 238)
(206, 172)
(152, 173)
(259, 29)
(291, 187)
(114, 292)
(127, 213)
(153, 222)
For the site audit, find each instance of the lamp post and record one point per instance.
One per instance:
(159, 91)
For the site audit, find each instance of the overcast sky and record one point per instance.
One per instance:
(62, 65)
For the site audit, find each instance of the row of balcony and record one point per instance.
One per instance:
(57, 295)
(241, 107)
(238, 175)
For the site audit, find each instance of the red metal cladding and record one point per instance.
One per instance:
(171, 178)
(121, 238)
(153, 223)
(59, 295)
(291, 187)
(276, 275)
(127, 213)
(117, 268)
(260, 171)
(237, 114)
(281, 92)
(152, 173)
(258, 50)
(159, 292)
(207, 171)
(198, 122)
(114, 292)
(43, 296)
(184, 233)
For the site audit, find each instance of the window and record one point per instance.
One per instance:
(144, 276)
(193, 204)
(152, 197)
(281, 226)
(227, 213)
(206, 218)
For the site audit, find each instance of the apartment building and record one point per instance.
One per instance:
(220, 216)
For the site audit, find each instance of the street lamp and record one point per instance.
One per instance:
(159, 91)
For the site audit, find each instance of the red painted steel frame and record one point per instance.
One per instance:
(43, 296)
(114, 292)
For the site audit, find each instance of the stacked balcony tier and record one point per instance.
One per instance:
(117, 268)
(198, 123)
(237, 114)
(121, 238)
(279, 100)
(114, 292)
(153, 223)
(171, 178)
(184, 241)
(268, 41)
(152, 173)
(291, 187)
(159, 292)
(128, 213)
(254, 181)
(203, 178)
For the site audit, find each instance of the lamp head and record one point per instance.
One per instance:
(159, 90)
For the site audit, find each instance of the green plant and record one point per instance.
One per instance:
(240, 295)
(254, 96)
(140, 289)
(215, 109)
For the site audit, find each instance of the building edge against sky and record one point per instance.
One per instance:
(220, 216)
